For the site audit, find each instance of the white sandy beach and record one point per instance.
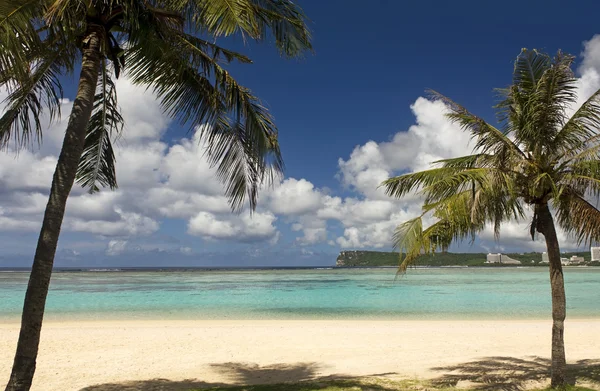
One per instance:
(133, 355)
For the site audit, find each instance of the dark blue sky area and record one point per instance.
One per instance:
(374, 58)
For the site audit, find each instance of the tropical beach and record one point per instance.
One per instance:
(185, 355)
(177, 178)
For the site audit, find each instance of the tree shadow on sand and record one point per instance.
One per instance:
(153, 385)
(236, 373)
(513, 374)
(248, 373)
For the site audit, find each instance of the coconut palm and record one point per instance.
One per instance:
(541, 163)
(167, 46)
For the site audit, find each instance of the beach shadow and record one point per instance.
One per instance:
(238, 374)
(154, 385)
(249, 373)
(513, 374)
(235, 373)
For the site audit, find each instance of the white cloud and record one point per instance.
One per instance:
(161, 180)
(115, 247)
(295, 197)
(186, 168)
(590, 55)
(128, 224)
(144, 119)
(243, 228)
(25, 171)
(180, 204)
(369, 222)
(433, 137)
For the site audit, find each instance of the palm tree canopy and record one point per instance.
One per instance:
(540, 154)
(167, 46)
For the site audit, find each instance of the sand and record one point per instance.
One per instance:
(179, 355)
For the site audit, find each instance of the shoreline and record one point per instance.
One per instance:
(8, 322)
(75, 355)
(125, 269)
(76, 322)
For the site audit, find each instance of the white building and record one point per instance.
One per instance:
(500, 258)
(493, 258)
(505, 259)
(565, 261)
(576, 260)
(545, 258)
(595, 253)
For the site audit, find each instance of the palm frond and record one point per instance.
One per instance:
(529, 68)
(208, 51)
(584, 176)
(224, 17)
(287, 23)
(97, 163)
(546, 106)
(402, 185)
(580, 133)
(578, 217)
(408, 238)
(257, 19)
(18, 37)
(489, 140)
(29, 96)
(180, 73)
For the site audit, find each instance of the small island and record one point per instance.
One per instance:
(387, 259)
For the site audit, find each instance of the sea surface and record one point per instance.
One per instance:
(431, 293)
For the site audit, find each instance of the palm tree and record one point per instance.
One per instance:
(542, 162)
(167, 46)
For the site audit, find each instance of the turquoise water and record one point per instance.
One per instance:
(446, 293)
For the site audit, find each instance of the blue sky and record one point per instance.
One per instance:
(371, 64)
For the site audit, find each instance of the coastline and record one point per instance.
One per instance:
(75, 355)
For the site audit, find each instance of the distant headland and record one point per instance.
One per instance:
(382, 259)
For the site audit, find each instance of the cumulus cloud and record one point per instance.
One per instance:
(295, 197)
(156, 181)
(433, 137)
(115, 247)
(172, 180)
(370, 220)
(242, 228)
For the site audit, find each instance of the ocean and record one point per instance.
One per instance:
(428, 293)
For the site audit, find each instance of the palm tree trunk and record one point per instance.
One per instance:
(545, 226)
(62, 182)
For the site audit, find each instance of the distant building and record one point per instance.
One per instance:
(595, 253)
(545, 258)
(493, 258)
(505, 259)
(565, 261)
(576, 260)
(500, 258)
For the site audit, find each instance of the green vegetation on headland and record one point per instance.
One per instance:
(381, 258)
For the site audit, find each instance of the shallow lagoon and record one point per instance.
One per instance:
(432, 293)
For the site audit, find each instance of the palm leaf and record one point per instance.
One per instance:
(97, 163)
(408, 238)
(29, 96)
(489, 140)
(18, 37)
(578, 217)
(283, 19)
(239, 132)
